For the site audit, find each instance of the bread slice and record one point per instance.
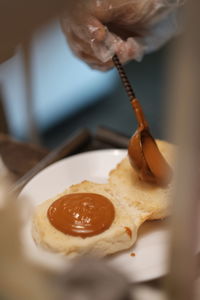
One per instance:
(134, 201)
(114, 239)
(152, 199)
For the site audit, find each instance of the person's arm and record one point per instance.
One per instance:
(97, 29)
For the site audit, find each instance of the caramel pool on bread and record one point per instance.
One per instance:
(113, 226)
(81, 214)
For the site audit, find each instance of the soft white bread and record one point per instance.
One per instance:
(134, 202)
(112, 240)
(154, 200)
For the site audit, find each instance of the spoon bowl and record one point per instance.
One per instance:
(146, 159)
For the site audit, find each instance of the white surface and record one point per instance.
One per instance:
(150, 260)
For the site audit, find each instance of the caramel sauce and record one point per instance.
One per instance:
(156, 162)
(128, 231)
(144, 155)
(81, 214)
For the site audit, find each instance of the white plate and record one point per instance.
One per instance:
(150, 260)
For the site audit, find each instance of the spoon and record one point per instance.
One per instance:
(144, 154)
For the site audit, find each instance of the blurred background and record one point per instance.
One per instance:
(67, 94)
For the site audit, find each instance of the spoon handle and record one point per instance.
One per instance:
(124, 78)
(129, 90)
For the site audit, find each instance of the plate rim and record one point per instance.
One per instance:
(73, 156)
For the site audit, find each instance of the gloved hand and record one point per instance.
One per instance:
(97, 29)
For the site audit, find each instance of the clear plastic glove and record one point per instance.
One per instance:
(98, 29)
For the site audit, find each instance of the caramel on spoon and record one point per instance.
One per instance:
(144, 155)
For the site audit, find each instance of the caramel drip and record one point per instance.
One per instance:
(128, 231)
